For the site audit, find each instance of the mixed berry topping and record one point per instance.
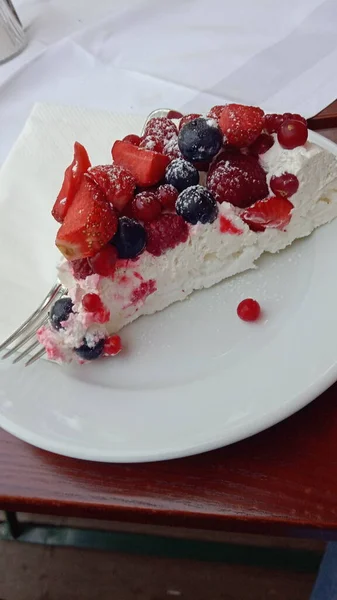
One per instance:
(164, 233)
(133, 139)
(146, 206)
(241, 124)
(89, 223)
(200, 139)
(197, 205)
(81, 268)
(237, 179)
(117, 184)
(292, 133)
(274, 212)
(149, 196)
(104, 262)
(130, 238)
(167, 195)
(92, 351)
(273, 121)
(181, 174)
(60, 312)
(249, 310)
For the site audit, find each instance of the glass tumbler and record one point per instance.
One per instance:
(12, 36)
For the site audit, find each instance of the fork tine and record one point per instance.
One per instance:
(35, 357)
(26, 352)
(26, 339)
(57, 289)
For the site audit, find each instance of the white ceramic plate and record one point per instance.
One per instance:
(194, 377)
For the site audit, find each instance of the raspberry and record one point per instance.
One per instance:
(167, 196)
(81, 268)
(171, 148)
(241, 124)
(166, 232)
(272, 122)
(187, 119)
(104, 262)
(249, 310)
(133, 139)
(237, 179)
(151, 142)
(112, 345)
(161, 128)
(146, 206)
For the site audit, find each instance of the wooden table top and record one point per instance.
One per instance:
(282, 481)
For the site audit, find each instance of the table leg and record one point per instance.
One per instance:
(326, 583)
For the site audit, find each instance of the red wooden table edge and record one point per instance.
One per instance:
(326, 119)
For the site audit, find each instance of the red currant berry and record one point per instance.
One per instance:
(284, 185)
(104, 262)
(292, 133)
(263, 143)
(146, 206)
(92, 303)
(112, 345)
(133, 139)
(167, 196)
(249, 310)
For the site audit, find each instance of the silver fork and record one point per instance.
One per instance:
(27, 331)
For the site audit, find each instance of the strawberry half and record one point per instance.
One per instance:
(71, 182)
(272, 212)
(90, 223)
(117, 183)
(146, 166)
(241, 124)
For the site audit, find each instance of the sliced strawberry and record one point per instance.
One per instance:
(241, 124)
(71, 182)
(147, 167)
(272, 212)
(117, 183)
(90, 223)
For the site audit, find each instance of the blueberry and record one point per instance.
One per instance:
(181, 174)
(90, 352)
(130, 238)
(200, 139)
(197, 204)
(60, 312)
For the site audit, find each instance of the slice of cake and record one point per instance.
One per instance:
(179, 209)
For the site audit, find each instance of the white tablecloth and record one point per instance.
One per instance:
(136, 55)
